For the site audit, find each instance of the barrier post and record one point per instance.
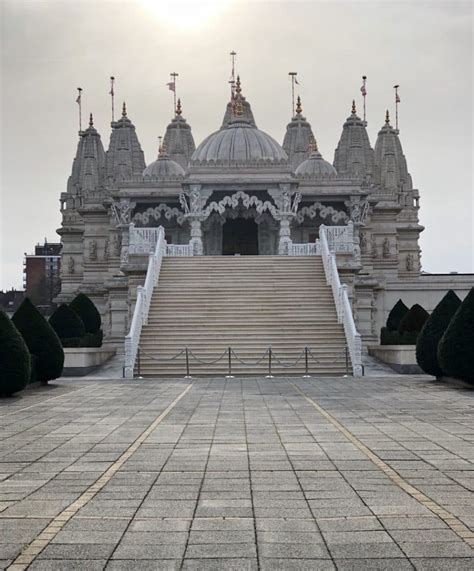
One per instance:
(187, 376)
(306, 373)
(269, 376)
(229, 372)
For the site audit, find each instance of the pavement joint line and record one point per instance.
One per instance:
(448, 518)
(30, 552)
(73, 392)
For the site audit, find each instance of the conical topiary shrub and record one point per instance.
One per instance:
(15, 363)
(87, 311)
(456, 348)
(397, 313)
(432, 331)
(42, 341)
(414, 320)
(68, 325)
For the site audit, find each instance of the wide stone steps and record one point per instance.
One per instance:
(250, 303)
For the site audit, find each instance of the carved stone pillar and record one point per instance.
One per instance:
(196, 237)
(284, 235)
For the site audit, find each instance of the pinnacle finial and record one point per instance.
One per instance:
(298, 105)
(353, 111)
(124, 110)
(238, 88)
(160, 146)
(91, 120)
(387, 117)
(178, 107)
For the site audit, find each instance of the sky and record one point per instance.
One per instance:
(49, 48)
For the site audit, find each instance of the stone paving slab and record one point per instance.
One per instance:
(373, 473)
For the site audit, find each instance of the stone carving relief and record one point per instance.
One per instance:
(358, 209)
(93, 250)
(386, 248)
(106, 249)
(325, 212)
(117, 244)
(410, 263)
(70, 265)
(122, 211)
(233, 201)
(158, 212)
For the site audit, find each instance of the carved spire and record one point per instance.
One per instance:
(353, 110)
(124, 110)
(91, 120)
(387, 117)
(178, 108)
(313, 145)
(299, 109)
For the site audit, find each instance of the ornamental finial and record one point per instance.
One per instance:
(160, 146)
(91, 120)
(178, 107)
(298, 105)
(238, 88)
(353, 111)
(124, 110)
(387, 117)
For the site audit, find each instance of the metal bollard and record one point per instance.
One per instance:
(229, 372)
(187, 376)
(269, 376)
(306, 369)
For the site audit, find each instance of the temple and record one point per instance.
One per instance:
(240, 192)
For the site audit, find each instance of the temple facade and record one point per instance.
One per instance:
(240, 192)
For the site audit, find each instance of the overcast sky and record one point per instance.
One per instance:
(51, 47)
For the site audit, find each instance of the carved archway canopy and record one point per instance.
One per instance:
(320, 210)
(237, 201)
(157, 212)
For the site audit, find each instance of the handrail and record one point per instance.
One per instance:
(343, 306)
(142, 306)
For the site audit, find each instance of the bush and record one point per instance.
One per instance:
(396, 338)
(67, 323)
(414, 320)
(398, 312)
(41, 340)
(456, 348)
(15, 363)
(87, 311)
(433, 330)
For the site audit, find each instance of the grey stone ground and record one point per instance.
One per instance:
(242, 474)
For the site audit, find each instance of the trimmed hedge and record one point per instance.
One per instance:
(396, 338)
(456, 348)
(432, 332)
(414, 320)
(15, 363)
(67, 323)
(398, 312)
(41, 340)
(87, 311)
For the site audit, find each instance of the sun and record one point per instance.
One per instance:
(185, 13)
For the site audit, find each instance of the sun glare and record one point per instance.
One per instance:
(185, 13)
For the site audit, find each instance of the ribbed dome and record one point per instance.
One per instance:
(315, 166)
(163, 168)
(239, 143)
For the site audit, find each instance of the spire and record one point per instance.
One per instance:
(125, 158)
(88, 167)
(178, 139)
(238, 106)
(354, 156)
(298, 137)
(391, 171)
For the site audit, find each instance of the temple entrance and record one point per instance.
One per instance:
(240, 236)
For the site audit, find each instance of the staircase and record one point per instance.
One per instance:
(210, 303)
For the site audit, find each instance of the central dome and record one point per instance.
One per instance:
(239, 143)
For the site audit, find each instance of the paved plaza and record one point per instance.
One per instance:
(373, 473)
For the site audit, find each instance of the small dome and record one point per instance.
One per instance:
(315, 166)
(164, 168)
(239, 143)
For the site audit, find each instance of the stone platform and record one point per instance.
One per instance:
(374, 473)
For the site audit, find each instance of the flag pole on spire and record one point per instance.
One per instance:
(79, 102)
(397, 101)
(294, 81)
(232, 54)
(363, 90)
(112, 95)
(172, 87)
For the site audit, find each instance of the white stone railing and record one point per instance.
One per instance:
(179, 250)
(142, 306)
(305, 249)
(143, 241)
(341, 299)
